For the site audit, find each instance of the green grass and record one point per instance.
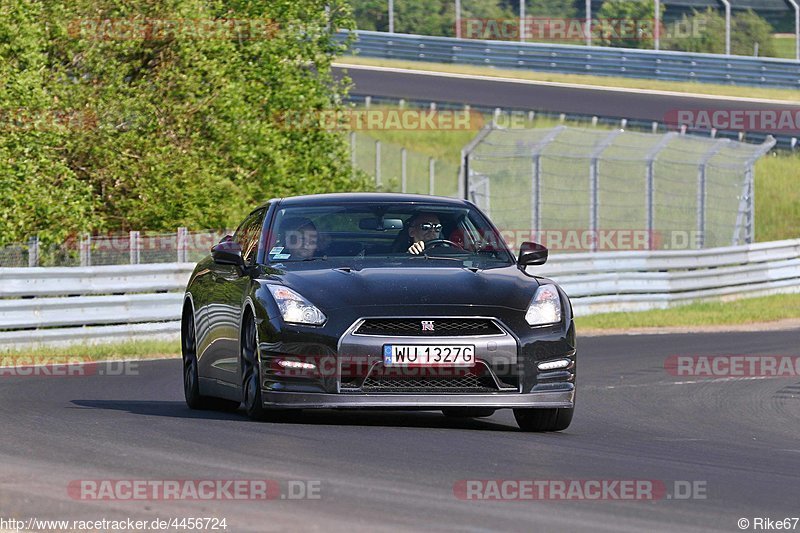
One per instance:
(745, 311)
(784, 46)
(602, 81)
(143, 349)
(778, 197)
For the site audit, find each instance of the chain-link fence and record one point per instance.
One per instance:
(399, 169)
(113, 249)
(597, 187)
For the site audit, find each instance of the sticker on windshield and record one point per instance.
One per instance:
(276, 250)
(282, 256)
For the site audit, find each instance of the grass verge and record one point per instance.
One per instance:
(145, 349)
(600, 81)
(745, 311)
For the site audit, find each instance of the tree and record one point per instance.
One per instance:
(626, 23)
(704, 31)
(111, 122)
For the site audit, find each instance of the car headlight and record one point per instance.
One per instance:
(545, 307)
(294, 308)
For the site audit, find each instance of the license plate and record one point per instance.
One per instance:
(428, 355)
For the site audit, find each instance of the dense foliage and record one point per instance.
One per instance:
(708, 34)
(107, 126)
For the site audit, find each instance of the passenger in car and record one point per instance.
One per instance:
(299, 237)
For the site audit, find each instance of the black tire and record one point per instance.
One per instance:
(191, 381)
(544, 419)
(251, 376)
(251, 371)
(468, 412)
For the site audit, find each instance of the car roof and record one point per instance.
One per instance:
(367, 197)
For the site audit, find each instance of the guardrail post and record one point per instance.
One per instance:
(650, 183)
(378, 163)
(133, 246)
(403, 169)
(86, 249)
(702, 187)
(594, 186)
(33, 251)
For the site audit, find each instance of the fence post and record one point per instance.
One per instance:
(463, 182)
(133, 245)
(536, 177)
(378, 163)
(594, 186)
(431, 175)
(650, 184)
(33, 251)
(181, 244)
(403, 169)
(747, 198)
(353, 153)
(702, 187)
(86, 249)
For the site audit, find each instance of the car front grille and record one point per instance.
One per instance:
(441, 327)
(443, 380)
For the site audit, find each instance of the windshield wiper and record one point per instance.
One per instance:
(436, 257)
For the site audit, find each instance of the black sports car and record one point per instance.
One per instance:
(373, 300)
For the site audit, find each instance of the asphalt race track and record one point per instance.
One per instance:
(378, 470)
(525, 95)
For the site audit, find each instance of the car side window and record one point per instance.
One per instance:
(248, 234)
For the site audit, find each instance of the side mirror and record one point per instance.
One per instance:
(532, 253)
(227, 252)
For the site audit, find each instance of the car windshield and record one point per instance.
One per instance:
(380, 234)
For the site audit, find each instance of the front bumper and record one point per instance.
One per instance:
(300, 400)
(510, 358)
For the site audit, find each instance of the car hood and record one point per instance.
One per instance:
(335, 288)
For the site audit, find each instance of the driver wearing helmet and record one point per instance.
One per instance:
(422, 228)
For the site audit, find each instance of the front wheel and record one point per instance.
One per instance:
(544, 419)
(251, 376)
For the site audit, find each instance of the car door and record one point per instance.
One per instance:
(226, 296)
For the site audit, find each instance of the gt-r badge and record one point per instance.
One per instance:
(427, 325)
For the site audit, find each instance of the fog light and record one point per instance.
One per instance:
(296, 365)
(554, 365)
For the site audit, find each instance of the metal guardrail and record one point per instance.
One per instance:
(604, 282)
(30, 314)
(64, 305)
(572, 59)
